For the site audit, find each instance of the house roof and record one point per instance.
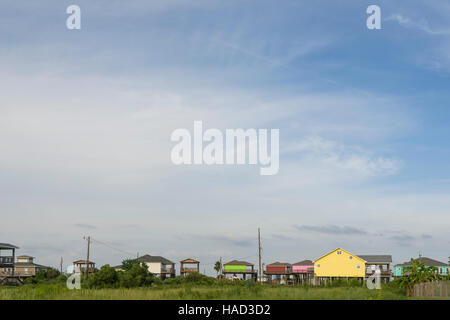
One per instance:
(427, 261)
(83, 262)
(303, 263)
(279, 264)
(354, 255)
(189, 260)
(7, 246)
(238, 263)
(402, 264)
(25, 256)
(149, 258)
(27, 264)
(376, 258)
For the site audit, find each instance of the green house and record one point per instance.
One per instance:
(443, 268)
(239, 267)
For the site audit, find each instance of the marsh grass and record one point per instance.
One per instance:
(195, 292)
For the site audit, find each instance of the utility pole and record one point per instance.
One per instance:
(259, 256)
(220, 271)
(87, 259)
(61, 264)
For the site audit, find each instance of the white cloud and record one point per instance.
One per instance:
(345, 157)
(421, 24)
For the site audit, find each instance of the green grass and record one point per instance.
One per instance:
(193, 292)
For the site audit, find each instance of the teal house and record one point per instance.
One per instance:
(443, 268)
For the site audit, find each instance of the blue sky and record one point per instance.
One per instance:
(86, 117)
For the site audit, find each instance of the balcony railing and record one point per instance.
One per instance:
(6, 260)
(168, 270)
(276, 272)
(83, 270)
(182, 270)
(383, 273)
(5, 273)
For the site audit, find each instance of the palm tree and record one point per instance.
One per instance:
(218, 267)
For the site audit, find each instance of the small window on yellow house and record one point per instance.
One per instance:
(358, 266)
(350, 257)
(318, 266)
(339, 252)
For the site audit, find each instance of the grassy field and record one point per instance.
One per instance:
(60, 292)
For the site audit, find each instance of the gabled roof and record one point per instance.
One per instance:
(354, 255)
(189, 260)
(428, 262)
(238, 263)
(149, 258)
(83, 262)
(7, 246)
(303, 263)
(279, 264)
(376, 258)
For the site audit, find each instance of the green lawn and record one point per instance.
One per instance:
(59, 292)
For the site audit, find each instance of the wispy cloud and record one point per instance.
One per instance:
(85, 226)
(231, 239)
(332, 229)
(421, 24)
(345, 157)
(402, 240)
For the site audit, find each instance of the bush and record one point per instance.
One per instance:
(134, 275)
(45, 275)
(198, 278)
(172, 281)
(106, 277)
(137, 276)
(52, 273)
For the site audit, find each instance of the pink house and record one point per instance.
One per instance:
(305, 266)
(303, 272)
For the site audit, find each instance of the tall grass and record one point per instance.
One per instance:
(195, 292)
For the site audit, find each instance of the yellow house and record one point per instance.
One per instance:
(339, 263)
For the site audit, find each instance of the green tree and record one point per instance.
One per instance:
(41, 275)
(106, 277)
(52, 273)
(417, 273)
(128, 264)
(218, 267)
(137, 276)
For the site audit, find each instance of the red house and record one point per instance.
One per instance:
(278, 268)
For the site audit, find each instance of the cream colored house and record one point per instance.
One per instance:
(25, 267)
(157, 265)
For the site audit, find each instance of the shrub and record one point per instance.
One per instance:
(137, 276)
(106, 277)
(45, 275)
(172, 281)
(198, 278)
(52, 273)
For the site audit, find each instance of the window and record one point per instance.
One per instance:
(318, 266)
(339, 252)
(350, 257)
(358, 266)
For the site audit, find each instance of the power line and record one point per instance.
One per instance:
(112, 247)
